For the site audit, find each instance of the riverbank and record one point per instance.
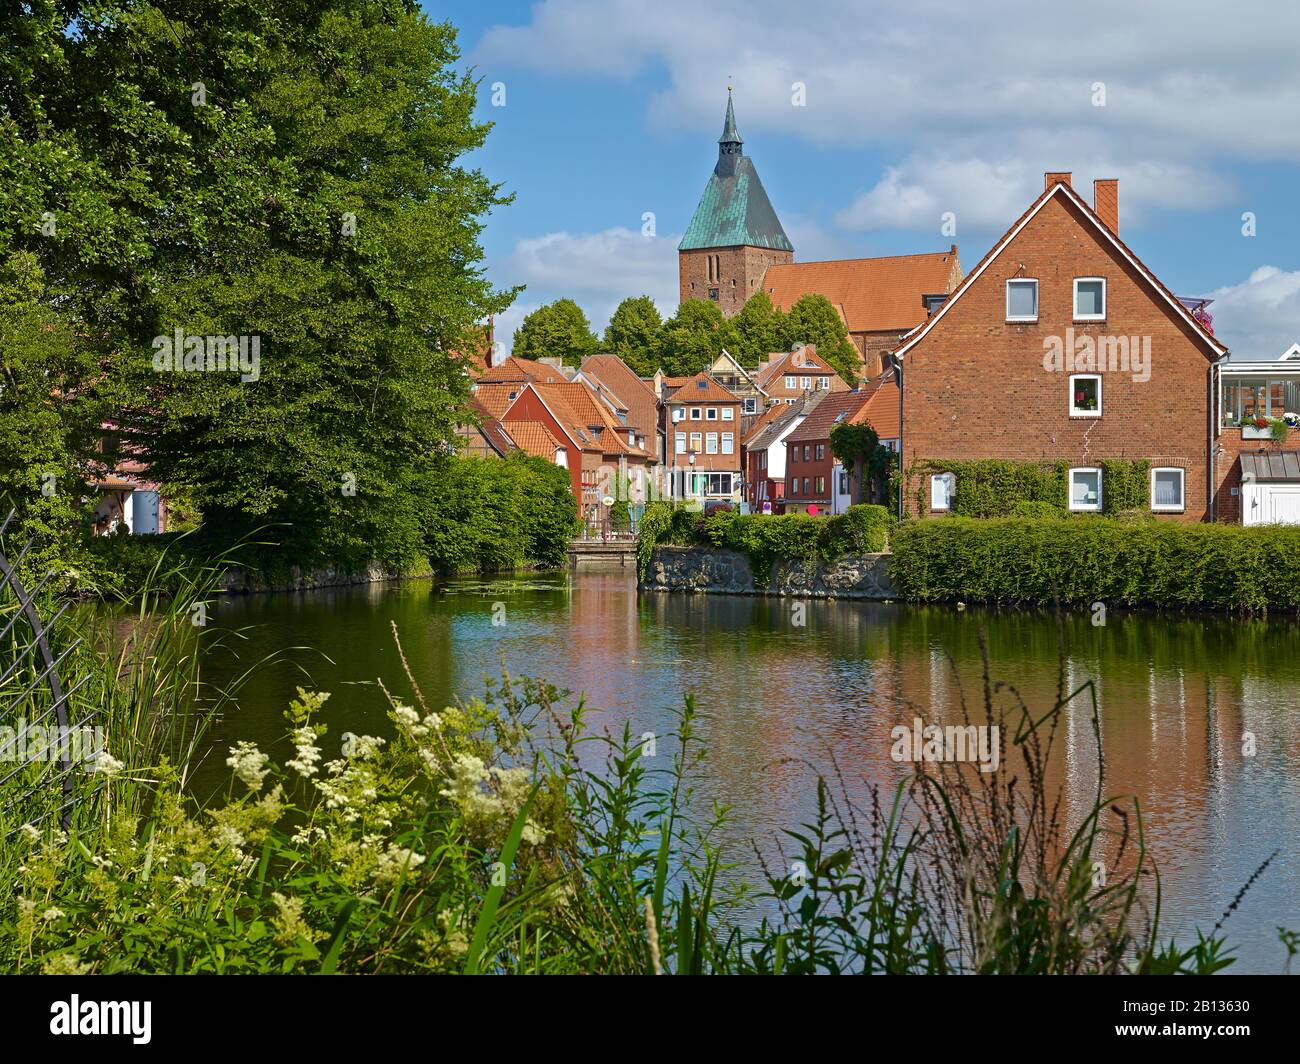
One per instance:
(1080, 561)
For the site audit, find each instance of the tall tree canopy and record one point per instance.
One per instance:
(632, 334)
(814, 320)
(691, 339)
(758, 329)
(282, 172)
(557, 330)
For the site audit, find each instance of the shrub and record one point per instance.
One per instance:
(861, 529)
(1039, 510)
(1096, 559)
(494, 514)
(764, 538)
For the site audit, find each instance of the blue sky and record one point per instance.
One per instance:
(608, 109)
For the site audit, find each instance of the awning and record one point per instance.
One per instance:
(1273, 466)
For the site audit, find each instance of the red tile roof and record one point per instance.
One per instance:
(817, 426)
(535, 438)
(575, 402)
(873, 295)
(495, 397)
(810, 363)
(520, 370)
(642, 404)
(700, 389)
(880, 411)
(497, 437)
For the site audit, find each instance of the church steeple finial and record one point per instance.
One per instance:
(729, 143)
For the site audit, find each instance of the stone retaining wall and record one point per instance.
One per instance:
(727, 572)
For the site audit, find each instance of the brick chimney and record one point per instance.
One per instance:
(1050, 179)
(1105, 201)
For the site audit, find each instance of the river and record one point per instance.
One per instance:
(781, 693)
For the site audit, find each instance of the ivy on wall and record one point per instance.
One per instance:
(994, 487)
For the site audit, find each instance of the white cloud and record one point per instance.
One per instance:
(596, 270)
(1176, 80)
(612, 262)
(999, 100)
(988, 197)
(1260, 317)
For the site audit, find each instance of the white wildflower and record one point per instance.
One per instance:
(308, 753)
(249, 764)
(53, 913)
(394, 861)
(105, 764)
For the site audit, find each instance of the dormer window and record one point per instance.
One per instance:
(1022, 299)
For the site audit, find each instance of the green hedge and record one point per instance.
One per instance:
(998, 488)
(1094, 559)
(767, 538)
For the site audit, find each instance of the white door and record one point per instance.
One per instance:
(144, 513)
(1267, 504)
(1284, 503)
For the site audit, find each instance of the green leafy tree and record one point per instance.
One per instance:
(632, 334)
(557, 330)
(272, 172)
(690, 340)
(758, 329)
(814, 320)
(43, 372)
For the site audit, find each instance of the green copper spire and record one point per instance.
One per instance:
(729, 143)
(734, 210)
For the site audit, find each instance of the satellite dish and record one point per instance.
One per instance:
(608, 500)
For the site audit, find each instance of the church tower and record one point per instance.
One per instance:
(735, 234)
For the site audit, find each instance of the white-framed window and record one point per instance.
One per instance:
(728, 443)
(697, 442)
(1022, 299)
(805, 383)
(1085, 395)
(942, 487)
(791, 382)
(711, 414)
(824, 383)
(821, 451)
(711, 443)
(728, 413)
(751, 404)
(1168, 490)
(1085, 489)
(679, 413)
(1090, 299)
(696, 413)
(679, 442)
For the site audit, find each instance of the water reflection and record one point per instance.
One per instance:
(1175, 698)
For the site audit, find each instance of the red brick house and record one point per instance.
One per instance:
(1062, 345)
(703, 429)
(765, 452)
(809, 462)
